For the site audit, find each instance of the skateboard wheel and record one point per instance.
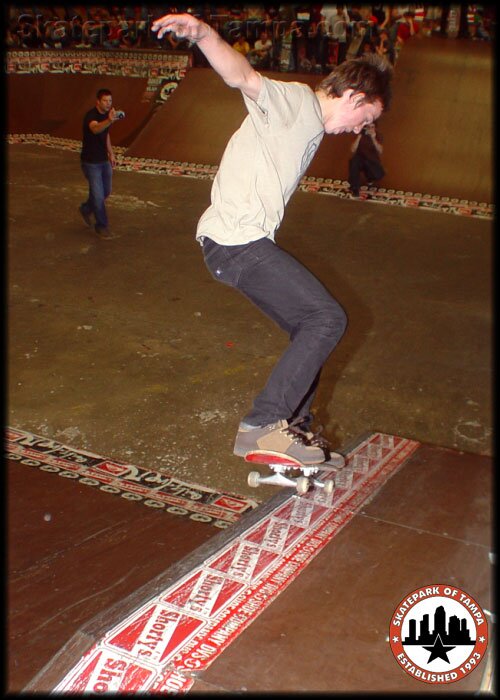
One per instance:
(302, 485)
(253, 479)
(329, 484)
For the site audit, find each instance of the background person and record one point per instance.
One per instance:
(383, 46)
(98, 161)
(241, 45)
(366, 149)
(260, 55)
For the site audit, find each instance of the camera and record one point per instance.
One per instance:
(119, 114)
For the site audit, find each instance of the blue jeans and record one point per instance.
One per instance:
(99, 176)
(291, 296)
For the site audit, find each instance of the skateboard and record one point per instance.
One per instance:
(283, 469)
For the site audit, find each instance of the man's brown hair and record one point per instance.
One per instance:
(370, 74)
(103, 92)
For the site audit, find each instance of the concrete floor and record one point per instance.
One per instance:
(129, 349)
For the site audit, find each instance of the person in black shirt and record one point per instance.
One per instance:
(98, 160)
(366, 151)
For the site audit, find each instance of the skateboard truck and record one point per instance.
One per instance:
(280, 465)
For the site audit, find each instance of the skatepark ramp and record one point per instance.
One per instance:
(437, 134)
(49, 92)
(442, 101)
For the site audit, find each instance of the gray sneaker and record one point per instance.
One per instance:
(332, 459)
(281, 439)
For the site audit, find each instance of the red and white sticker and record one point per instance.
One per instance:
(173, 682)
(155, 635)
(438, 634)
(244, 561)
(104, 671)
(205, 594)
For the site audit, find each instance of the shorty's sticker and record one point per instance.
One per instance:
(438, 634)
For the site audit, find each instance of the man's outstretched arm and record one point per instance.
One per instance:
(232, 66)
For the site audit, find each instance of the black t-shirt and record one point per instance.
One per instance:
(94, 148)
(366, 146)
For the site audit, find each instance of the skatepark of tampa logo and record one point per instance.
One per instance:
(438, 634)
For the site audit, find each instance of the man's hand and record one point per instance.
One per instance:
(98, 127)
(184, 26)
(232, 66)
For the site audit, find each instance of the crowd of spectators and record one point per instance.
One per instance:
(286, 37)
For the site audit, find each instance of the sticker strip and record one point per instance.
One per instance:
(153, 488)
(335, 188)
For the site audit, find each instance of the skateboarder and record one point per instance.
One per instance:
(260, 169)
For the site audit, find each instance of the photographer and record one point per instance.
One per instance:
(98, 160)
(366, 150)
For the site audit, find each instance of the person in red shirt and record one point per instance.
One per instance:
(113, 38)
(407, 27)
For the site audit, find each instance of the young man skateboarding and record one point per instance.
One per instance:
(276, 142)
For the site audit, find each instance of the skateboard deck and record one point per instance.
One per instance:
(287, 471)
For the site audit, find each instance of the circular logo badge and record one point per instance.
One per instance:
(438, 634)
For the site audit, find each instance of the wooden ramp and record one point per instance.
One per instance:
(55, 104)
(437, 134)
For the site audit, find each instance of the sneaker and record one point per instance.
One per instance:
(316, 439)
(281, 439)
(332, 459)
(86, 217)
(335, 460)
(103, 232)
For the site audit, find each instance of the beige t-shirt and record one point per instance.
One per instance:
(263, 164)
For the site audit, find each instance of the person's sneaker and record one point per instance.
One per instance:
(103, 232)
(281, 439)
(332, 459)
(85, 216)
(335, 460)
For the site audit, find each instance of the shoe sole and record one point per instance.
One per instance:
(257, 457)
(270, 457)
(336, 460)
(107, 237)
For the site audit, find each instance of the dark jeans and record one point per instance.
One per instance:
(292, 297)
(99, 176)
(358, 164)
